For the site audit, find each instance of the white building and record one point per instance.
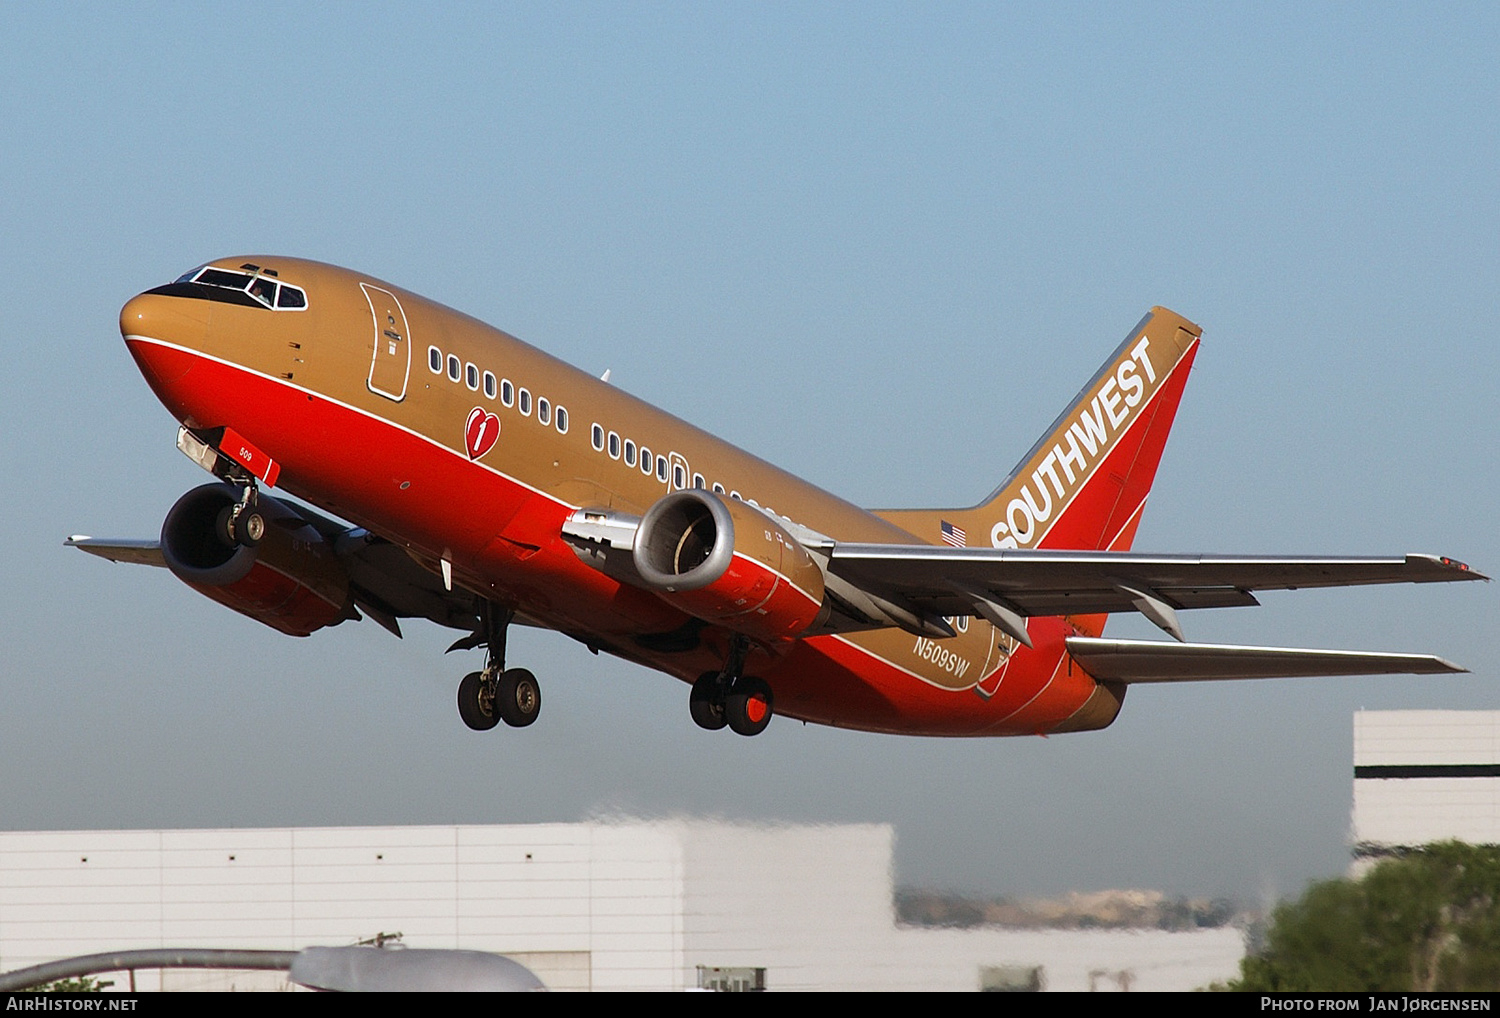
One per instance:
(1422, 776)
(608, 905)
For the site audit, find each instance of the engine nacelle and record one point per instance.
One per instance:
(291, 580)
(719, 559)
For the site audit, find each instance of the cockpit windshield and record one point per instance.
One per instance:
(265, 290)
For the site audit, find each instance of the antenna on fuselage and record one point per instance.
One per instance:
(604, 377)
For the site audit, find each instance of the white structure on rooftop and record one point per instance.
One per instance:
(609, 905)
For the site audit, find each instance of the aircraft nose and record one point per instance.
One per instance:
(153, 315)
(157, 327)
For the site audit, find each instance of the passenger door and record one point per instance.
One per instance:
(390, 365)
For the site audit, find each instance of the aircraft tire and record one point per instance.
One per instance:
(518, 697)
(244, 532)
(749, 706)
(251, 529)
(704, 703)
(471, 705)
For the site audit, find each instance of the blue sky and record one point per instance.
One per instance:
(880, 245)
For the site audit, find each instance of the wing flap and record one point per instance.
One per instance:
(1133, 661)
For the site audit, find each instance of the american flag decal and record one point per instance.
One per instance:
(954, 535)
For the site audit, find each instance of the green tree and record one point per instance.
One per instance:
(1429, 920)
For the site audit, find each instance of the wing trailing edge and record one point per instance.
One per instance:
(1140, 661)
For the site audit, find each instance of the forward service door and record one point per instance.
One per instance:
(390, 364)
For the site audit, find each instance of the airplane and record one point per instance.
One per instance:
(441, 469)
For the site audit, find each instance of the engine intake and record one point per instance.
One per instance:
(727, 562)
(291, 580)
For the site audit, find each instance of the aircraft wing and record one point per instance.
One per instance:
(1005, 584)
(384, 581)
(1132, 661)
(140, 553)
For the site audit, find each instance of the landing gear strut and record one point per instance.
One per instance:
(729, 697)
(496, 694)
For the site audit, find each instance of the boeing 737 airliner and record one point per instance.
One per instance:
(485, 483)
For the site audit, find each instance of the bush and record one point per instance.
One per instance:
(1427, 921)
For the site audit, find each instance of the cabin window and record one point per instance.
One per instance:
(508, 393)
(435, 360)
(523, 402)
(543, 410)
(596, 437)
(629, 453)
(614, 446)
(471, 377)
(489, 384)
(562, 420)
(645, 461)
(661, 468)
(718, 488)
(698, 481)
(679, 476)
(455, 367)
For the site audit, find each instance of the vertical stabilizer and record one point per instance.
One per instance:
(1084, 484)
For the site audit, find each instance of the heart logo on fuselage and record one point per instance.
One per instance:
(480, 432)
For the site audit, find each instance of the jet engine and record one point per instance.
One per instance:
(719, 559)
(291, 579)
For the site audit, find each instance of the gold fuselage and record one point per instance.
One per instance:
(355, 397)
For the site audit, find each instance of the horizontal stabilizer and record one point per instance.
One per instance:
(1148, 661)
(139, 553)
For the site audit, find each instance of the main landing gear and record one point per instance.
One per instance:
(728, 697)
(496, 694)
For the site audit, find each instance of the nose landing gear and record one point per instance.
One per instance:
(242, 524)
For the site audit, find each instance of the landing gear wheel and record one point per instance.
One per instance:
(748, 708)
(245, 529)
(476, 703)
(242, 530)
(518, 697)
(705, 703)
(251, 528)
